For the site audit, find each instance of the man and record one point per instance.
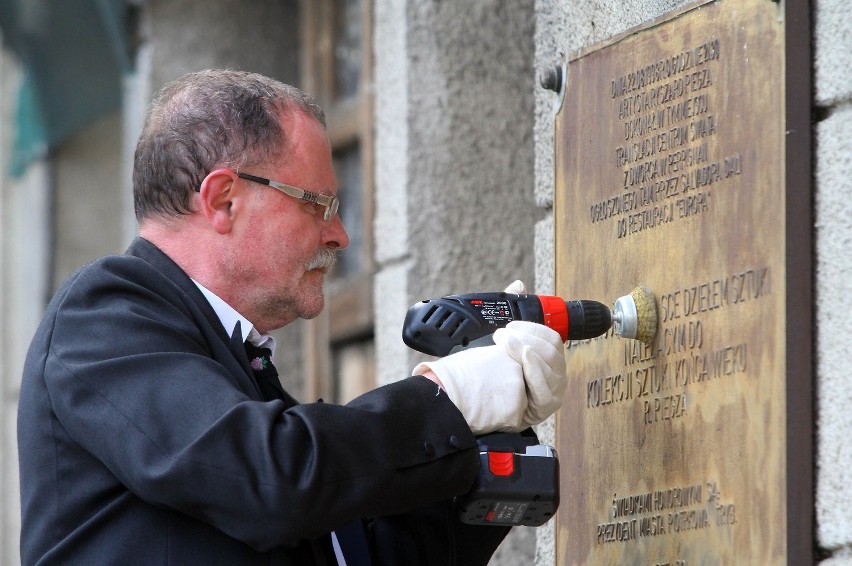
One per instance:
(146, 436)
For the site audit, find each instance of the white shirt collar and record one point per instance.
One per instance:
(229, 318)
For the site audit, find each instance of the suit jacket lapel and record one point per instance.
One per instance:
(147, 251)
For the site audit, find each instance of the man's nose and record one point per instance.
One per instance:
(335, 236)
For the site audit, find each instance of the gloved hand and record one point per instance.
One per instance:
(541, 354)
(507, 387)
(516, 287)
(545, 401)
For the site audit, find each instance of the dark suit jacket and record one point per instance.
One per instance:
(143, 439)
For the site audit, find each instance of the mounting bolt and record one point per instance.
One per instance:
(551, 78)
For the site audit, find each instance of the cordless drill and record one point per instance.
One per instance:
(443, 326)
(518, 483)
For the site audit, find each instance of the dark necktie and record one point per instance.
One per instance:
(260, 360)
(353, 544)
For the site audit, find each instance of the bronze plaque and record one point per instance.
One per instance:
(671, 171)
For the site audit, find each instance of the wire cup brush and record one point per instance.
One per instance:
(634, 316)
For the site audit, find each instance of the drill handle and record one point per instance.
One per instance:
(487, 340)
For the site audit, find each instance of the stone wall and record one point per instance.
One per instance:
(833, 287)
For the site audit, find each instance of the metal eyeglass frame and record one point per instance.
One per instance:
(331, 204)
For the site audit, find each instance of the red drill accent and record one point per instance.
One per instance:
(555, 314)
(501, 463)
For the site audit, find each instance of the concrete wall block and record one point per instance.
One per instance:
(390, 74)
(517, 548)
(260, 36)
(10, 512)
(85, 164)
(832, 51)
(394, 360)
(834, 349)
(12, 336)
(471, 150)
(545, 269)
(136, 96)
(24, 289)
(843, 557)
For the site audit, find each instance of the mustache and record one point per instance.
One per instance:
(324, 259)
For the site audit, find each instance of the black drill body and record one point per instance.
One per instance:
(439, 327)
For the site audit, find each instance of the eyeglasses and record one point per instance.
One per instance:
(331, 204)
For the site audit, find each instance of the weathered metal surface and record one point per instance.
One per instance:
(670, 170)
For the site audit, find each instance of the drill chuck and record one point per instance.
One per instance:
(589, 319)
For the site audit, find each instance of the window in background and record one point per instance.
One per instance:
(337, 67)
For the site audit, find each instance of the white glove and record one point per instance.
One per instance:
(486, 385)
(544, 391)
(517, 287)
(541, 354)
(507, 387)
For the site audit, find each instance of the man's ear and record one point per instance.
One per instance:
(216, 197)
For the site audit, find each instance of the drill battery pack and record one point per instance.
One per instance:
(518, 484)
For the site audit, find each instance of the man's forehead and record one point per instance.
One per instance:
(294, 117)
(302, 131)
(307, 147)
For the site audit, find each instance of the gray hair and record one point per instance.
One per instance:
(205, 120)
